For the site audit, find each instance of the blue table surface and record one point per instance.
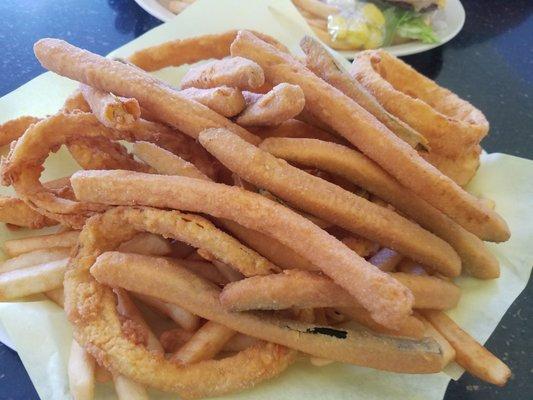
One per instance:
(490, 63)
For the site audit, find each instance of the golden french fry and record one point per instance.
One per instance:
(57, 296)
(128, 389)
(182, 317)
(31, 280)
(148, 244)
(470, 355)
(128, 309)
(35, 257)
(316, 7)
(15, 247)
(295, 129)
(204, 344)
(81, 367)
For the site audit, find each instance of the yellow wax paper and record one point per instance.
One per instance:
(41, 334)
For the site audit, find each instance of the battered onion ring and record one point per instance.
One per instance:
(235, 72)
(355, 167)
(91, 307)
(22, 168)
(188, 116)
(15, 128)
(282, 103)
(179, 286)
(15, 212)
(387, 300)
(450, 124)
(325, 66)
(191, 50)
(374, 139)
(461, 169)
(329, 201)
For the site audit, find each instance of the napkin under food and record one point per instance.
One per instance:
(41, 334)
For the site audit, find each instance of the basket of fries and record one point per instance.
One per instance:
(270, 209)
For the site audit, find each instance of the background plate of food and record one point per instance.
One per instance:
(402, 27)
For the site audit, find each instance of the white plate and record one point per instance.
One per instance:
(453, 16)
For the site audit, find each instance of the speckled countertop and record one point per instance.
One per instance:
(490, 63)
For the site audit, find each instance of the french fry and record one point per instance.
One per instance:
(225, 100)
(81, 367)
(354, 166)
(112, 111)
(330, 202)
(282, 103)
(316, 7)
(360, 245)
(374, 139)
(235, 72)
(164, 162)
(206, 270)
(325, 66)
(57, 296)
(179, 315)
(177, 285)
(173, 339)
(15, 247)
(15, 212)
(128, 389)
(204, 344)
(128, 309)
(148, 244)
(31, 280)
(303, 289)
(470, 355)
(35, 257)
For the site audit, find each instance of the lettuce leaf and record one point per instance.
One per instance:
(407, 24)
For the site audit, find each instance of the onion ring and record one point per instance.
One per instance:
(15, 212)
(191, 50)
(450, 124)
(15, 128)
(91, 308)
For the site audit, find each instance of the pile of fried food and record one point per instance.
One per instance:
(271, 208)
